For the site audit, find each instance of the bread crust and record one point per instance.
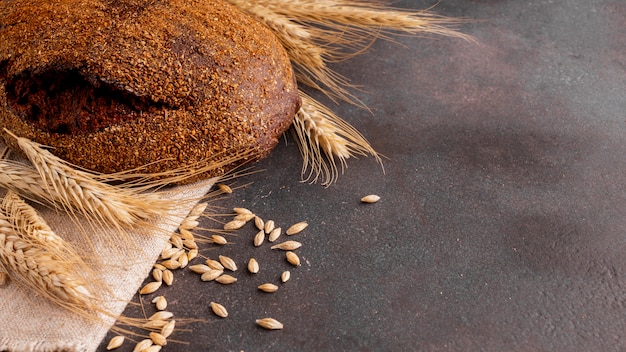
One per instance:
(116, 85)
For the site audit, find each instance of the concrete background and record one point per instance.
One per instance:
(502, 224)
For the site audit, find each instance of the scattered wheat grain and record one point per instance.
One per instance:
(160, 302)
(259, 223)
(168, 328)
(183, 260)
(199, 268)
(287, 245)
(242, 211)
(296, 228)
(259, 238)
(186, 234)
(157, 274)
(228, 263)
(234, 225)
(226, 279)
(253, 266)
(150, 288)
(214, 264)
(162, 315)
(372, 198)
(244, 217)
(168, 277)
(192, 254)
(269, 323)
(285, 276)
(268, 287)
(217, 239)
(171, 264)
(153, 348)
(142, 345)
(219, 310)
(177, 241)
(292, 258)
(224, 188)
(211, 275)
(159, 266)
(158, 339)
(154, 324)
(274, 234)
(115, 342)
(269, 226)
(191, 244)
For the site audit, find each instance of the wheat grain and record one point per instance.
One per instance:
(242, 211)
(296, 228)
(160, 302)
(168, 328)
(228, 263)
(269, 323)
(274, 234)
(292, 258)
(269, 226)
(168, 277)
(234, 225)
(224, 188)
(200, 268)
(142, 345)
(158, 339)
(259, 238)
(226, 279)
(192, 254)
(157, 274)
(244, 217)
(214, 264)
(4, 279)
(285, 276)
(217, 239)
(150, 287)
(154, 324)
(287, 245)
(372, 198)
(163, 315)
(259, 223)
(268, 287)
(115, 342)
(253, 266)
(219, 309)
(153, 348)
(211, 275)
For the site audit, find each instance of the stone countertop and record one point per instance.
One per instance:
(502, 219)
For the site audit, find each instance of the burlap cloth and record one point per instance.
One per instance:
(29, 323)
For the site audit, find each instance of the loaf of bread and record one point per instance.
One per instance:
(114, 85)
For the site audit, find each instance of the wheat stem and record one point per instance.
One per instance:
(317, 32)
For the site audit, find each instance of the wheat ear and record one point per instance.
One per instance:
(317, 32)
(79, 191)
(38, 258)
(323, 136)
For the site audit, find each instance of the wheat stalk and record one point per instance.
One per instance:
(317, 32)
(74, 190)
(322, 137)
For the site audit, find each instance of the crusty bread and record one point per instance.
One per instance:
(113, 85)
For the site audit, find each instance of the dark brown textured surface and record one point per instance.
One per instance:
(116, 85)
(502, 223)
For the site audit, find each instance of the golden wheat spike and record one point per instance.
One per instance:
(323, 136)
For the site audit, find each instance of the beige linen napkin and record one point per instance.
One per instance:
(30, 323)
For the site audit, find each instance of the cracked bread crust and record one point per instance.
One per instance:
(117, 85)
